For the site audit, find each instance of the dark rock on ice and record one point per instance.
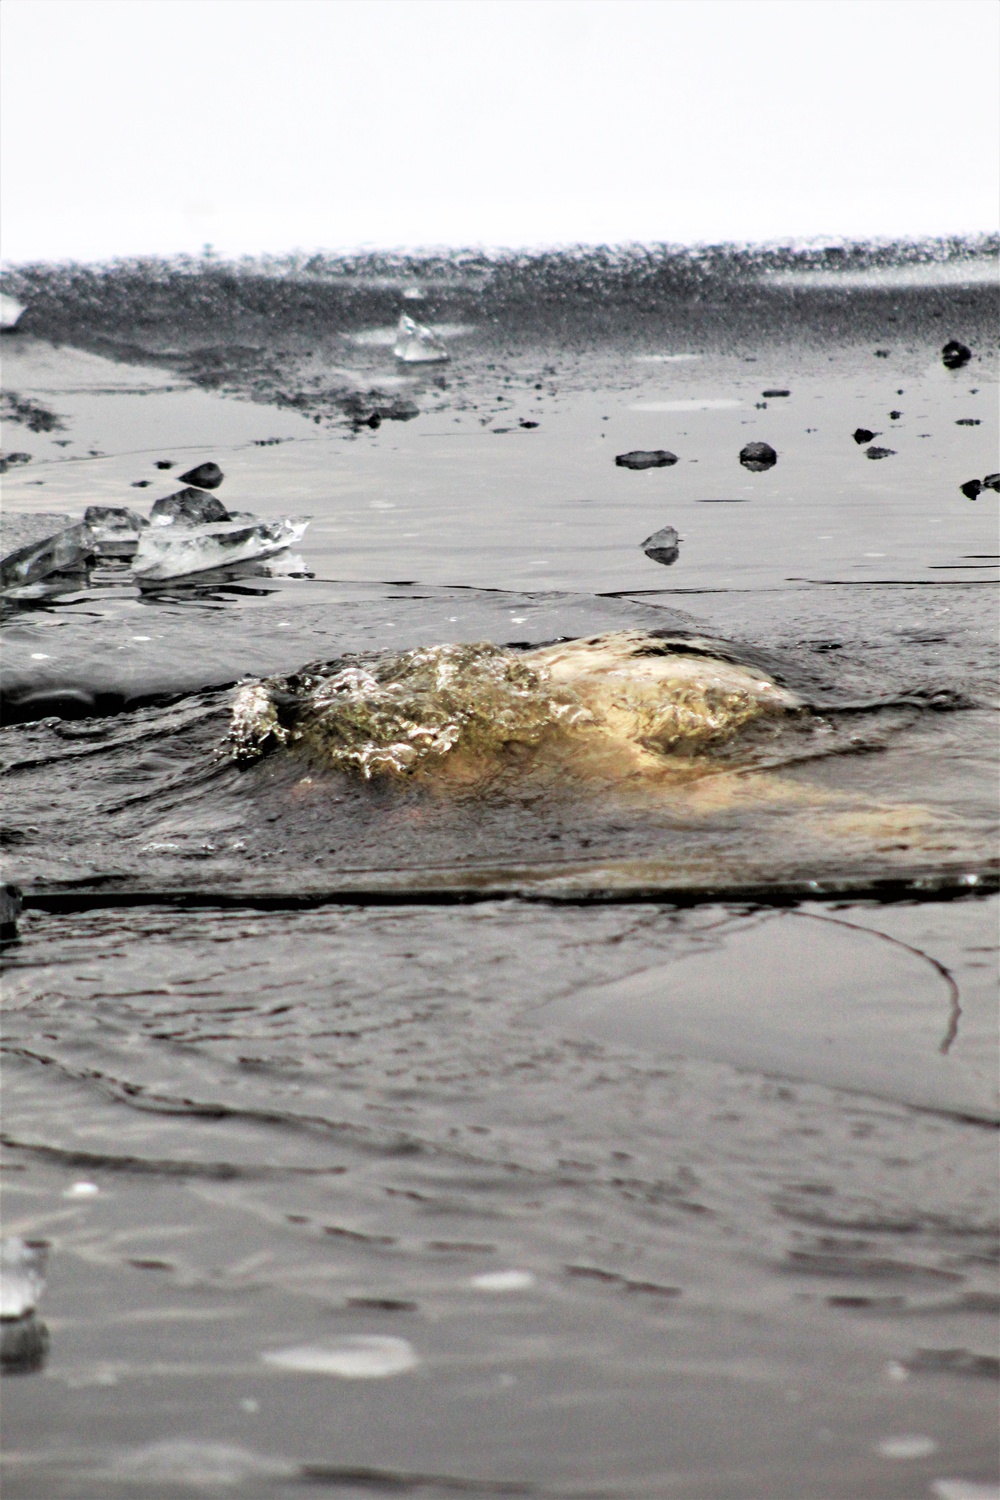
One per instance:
(758, 456)
(656, 458)
(881, 354)
(968, 422)
(722, 499)
(879, 452)
(24, 1343)
(971, 489)
(894, 416)
(71, 551)
(527, 424)
(663, 546)
(189, 507)
(10, 909)
(164, 463)
(205, 476)
(992, 482)
(955, 354)
(141, 484)
(768, 394)
(862, 435)
(28, 413)
(10, 460)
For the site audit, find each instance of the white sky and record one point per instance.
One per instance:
(153, 126)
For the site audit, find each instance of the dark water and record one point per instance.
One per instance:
(651, 1125)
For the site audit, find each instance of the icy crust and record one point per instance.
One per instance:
(470, 705)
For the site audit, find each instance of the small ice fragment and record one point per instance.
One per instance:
(911, 1446)
(142, 637)
(81, 1190)
(168, 552)
(22, 1275)
(503, 1281)
(965, 1489)
(896, 1372)
(40, 656)
(358, 1358)
(10, 311)
(417, 345)
(663, 546)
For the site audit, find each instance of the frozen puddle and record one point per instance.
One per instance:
(802, 997)
(358, 1358)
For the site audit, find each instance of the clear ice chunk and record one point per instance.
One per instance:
(22, 1275)
(10, 310)
(69, 551)
(417, 345)
(115, 529)
(175, 552)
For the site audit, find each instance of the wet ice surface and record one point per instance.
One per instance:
(479, 1193)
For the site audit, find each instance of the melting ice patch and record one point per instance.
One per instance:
(371, 1357)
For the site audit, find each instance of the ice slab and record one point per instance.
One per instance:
(417, 345)
(68, 551)
(169, 552)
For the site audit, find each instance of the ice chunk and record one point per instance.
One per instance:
(417, 345)
(10, 311)
(115, 529)
(69, 551)
(663, 546)
(22, 1275)
(175, 552)
(188, 507)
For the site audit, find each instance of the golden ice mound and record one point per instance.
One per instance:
(463, 707)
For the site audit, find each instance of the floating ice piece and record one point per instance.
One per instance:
(965, 1489)
(359, 1358)
(81, 1190)
(417, 345)
(663, 546)
(22, 1275)
(69, 551)
(503, 1281)
(910, 1446)
(173, 552)
(188, 507)
(10, 311)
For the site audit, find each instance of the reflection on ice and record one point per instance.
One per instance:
(371, 1357)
